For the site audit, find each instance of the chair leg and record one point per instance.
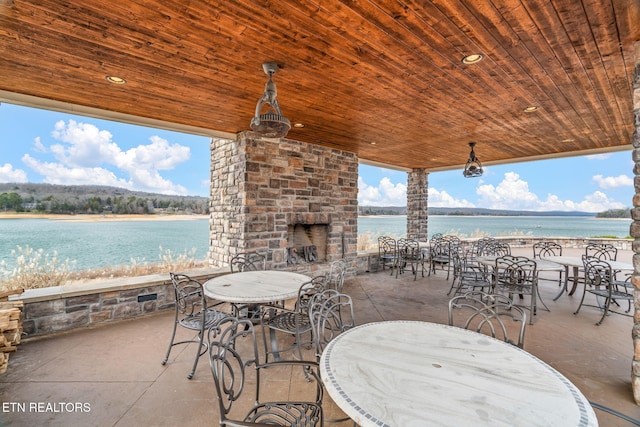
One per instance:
(274, 345)
(199, 351)
(173, 337)
(606, 310)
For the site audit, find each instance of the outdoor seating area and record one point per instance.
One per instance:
(112, 375)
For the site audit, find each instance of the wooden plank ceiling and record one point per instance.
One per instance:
(382, 78)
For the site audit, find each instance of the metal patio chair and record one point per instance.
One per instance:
(491, 314)
(468, 275)
(194, 312)
(386, 251)
(248, 261)
(409, 255)
(294, 322)
(335, 276)
(518, 275)
(441, 250)
(330, 314)
(545, 248)
(236, 368)
(599, 281)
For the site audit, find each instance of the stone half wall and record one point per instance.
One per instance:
(262, 188)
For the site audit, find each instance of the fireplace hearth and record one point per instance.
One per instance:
(307, 243)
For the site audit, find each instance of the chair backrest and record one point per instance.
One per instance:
(597, 272)
(544, 248)
(480, 244)
(486, 313)
(233, 355)
(330, 314)
(190, 298)
(335, 277)
(230, 360)
(307, 291)
(248, 261)
(408, 248)
(386, 245)
(603, 251)
(495, 248)
(443, 247)
(515, 272)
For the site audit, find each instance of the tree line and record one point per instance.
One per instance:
(96, 200)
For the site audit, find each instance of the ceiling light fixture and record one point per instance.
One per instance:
(271, 124)
(473, 168)
(116, 80)
(530, 109)
(473, 58)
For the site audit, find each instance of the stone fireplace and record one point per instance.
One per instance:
(283, 197)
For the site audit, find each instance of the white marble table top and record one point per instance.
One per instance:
(407, 373)
(541, 264)
(262, 286)
(575, 261)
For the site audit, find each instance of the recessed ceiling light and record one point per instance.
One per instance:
(373, 143)
(116, 80)
(298, 125)
(474, 58)
(530, 109)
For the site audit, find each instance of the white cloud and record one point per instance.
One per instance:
(513, 193)
(9, 174)
(57, 173)
(38, 146)
(88, 155)
(603, 156)
(444, 199)
(610, 182)
(385, 194)
(86, 145)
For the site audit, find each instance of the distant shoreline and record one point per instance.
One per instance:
(104, 217)
(496, 216)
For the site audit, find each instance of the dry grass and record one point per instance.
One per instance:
(36, 269)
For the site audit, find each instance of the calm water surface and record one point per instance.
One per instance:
(100, 244)
(473, 226)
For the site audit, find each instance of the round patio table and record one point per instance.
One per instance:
(409, 373)
(259, 287)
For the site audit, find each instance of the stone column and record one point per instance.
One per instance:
(228, 192)
(417, 198)
(635, 227)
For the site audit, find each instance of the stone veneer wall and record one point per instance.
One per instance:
(635, 227)
(417, 205)
(261, 186)
(62, 308)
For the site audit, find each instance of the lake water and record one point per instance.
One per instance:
(100, 244)
(474, 226)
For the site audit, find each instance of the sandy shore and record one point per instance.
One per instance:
(102, 218)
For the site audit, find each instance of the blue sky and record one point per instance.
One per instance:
(43, 146)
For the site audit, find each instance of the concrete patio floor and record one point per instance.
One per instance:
(113, 376)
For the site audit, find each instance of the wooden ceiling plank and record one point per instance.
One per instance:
(484, 34)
